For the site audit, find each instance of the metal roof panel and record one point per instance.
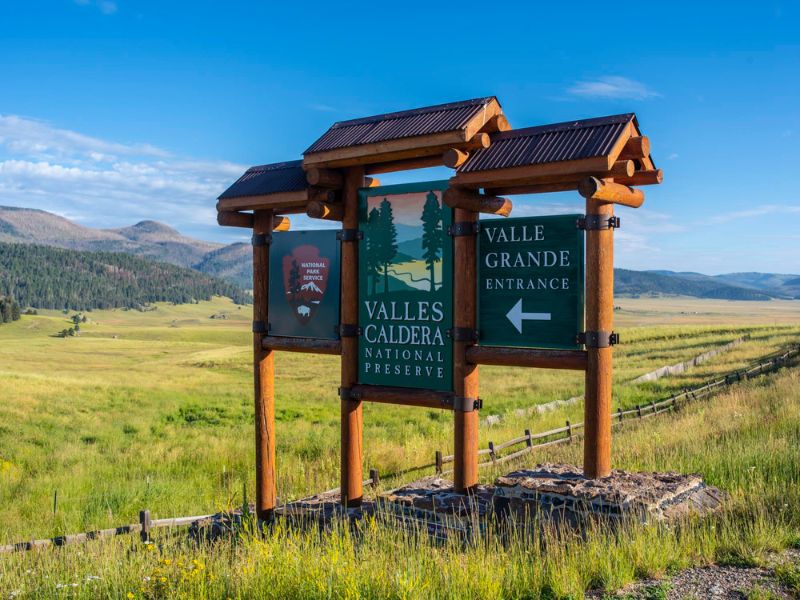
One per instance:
(397, 125)
(268, 179)
(571, 140)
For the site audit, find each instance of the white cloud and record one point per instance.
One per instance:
(107, 183)
(107, 7)
(613, 87)
(760, 211)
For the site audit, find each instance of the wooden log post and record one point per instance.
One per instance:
(351, 413)
(465, 374)
(264, 370)
(600, 319)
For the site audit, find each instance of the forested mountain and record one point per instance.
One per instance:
(233, 262)
(46, 277)
(146, 238)
(635, 283)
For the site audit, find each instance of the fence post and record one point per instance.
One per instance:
(439, 467)
(144, 521)
(619, 414)
(373, 475)
(491, 453)
(569, 431)
(528, 438)
(639, 411)
(55, 502)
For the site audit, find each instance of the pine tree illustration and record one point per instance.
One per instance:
(432, 235)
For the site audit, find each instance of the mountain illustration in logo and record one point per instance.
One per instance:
(305, 279)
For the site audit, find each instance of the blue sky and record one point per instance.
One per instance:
(113, 111)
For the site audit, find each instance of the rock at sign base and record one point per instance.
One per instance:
(562, 492)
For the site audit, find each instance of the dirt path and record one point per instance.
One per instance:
(721, 582)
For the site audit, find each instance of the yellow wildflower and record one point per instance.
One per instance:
(130, 595)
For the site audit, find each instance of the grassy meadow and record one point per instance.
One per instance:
(154, 410)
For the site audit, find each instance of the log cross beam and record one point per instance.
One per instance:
(602, 190)
(472, 201)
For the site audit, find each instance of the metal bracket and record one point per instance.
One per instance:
(347, 330)
(463, 334)
(597, 223)
(461, 404)
(597, 339)
(349, 394)
(261, 239)
(260, 327)
(464, 228)
(349, 235)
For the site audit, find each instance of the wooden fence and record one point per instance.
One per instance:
(565, 434)
(529, 442)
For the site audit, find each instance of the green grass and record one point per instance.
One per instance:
(761, 516)
(155, 410)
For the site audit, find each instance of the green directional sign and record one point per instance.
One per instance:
(530, 282)
(304, 284)
(405, 287)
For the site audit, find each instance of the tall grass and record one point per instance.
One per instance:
(155, 410)
(744, 441)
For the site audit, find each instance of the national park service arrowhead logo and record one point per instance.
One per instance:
(305, 278)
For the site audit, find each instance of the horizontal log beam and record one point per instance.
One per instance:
(497, 123)
(622, 168)
(319, 194)
(279, 202)
(653, 177)
(232, 218)
(281, 224)
(531, 174)
(240, 219)
(304, 345)
(454, 158)
(479, 142)
(635, 147)
(527, 357)
(326, 178)
(407, 164)
(471, 200)
(404, 396)
(542, 188)
(600, 190)
(325, 210)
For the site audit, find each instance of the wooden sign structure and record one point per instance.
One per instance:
(600, 158)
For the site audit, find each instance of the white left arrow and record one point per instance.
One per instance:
(516, 316)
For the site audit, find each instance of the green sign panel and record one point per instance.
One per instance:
(405, 287)
(304, 271)
(530, 282)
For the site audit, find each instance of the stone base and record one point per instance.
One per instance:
(317, 511)
(563, 493)
(322, 509)
(433, 502)
(550, 491)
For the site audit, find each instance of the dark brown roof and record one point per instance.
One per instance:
(269, 179)
(573, 140)
(392, 126)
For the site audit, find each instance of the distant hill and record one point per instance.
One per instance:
(233, 263)
(46, 277)
(147, 238)
(775, 285)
